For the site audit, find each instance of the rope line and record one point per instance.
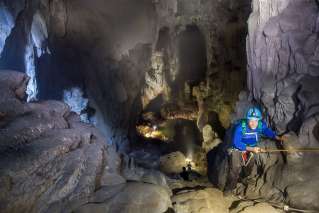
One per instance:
(292, 150)
(281, 206)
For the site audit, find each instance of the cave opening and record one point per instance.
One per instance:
(191, 56)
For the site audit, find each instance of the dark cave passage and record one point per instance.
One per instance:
(191, 56)
(144, 106)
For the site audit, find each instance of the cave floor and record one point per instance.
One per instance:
(197, 194)
(169, 142)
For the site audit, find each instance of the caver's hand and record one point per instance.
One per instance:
(255, 149)
(258, 150)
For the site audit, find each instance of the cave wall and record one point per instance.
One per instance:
(98, 47)
(109, 51)
(221, 27)
(282, 75)
(282, 50)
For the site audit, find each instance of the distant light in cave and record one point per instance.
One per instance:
(190, 151)
(188, 160)
(151, 132)
(154, 127)
(74, 98)
(6, 25)
(32, 89)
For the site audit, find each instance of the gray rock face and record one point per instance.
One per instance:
(282, 76)
(52, 162)
(207, 200)
(49, 163)
(282, 52)
(123, 55)
(134, 197)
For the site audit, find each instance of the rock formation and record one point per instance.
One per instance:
(282, 48)
(52, 162)
(111, 99)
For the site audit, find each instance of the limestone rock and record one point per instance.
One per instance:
(282, 79)
(206, 200)
(284, 65)
(135, 197)
(50, 161)
(211, 139)
(259, 207)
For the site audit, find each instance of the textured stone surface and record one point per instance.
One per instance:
(123, 55)
(134, 197)
(282, 54)
(206, 200)
(52, 162)
(250, 207)
(281, 48)
(281, 51)
(211, 139)
(126, 55)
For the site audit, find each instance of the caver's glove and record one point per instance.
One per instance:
(256, 150)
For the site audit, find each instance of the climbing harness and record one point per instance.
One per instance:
(246, 157)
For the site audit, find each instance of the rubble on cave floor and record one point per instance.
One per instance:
(65, 165)
(182, 143)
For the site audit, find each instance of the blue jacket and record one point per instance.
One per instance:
(251, 137)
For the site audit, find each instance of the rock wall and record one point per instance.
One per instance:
(282, 51)
(282, 48)
(199, 42)
(102, 48)
(50, 161)
(113, 51)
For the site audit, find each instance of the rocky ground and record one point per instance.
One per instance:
(52, 162)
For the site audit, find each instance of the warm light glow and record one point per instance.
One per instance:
(151, 132)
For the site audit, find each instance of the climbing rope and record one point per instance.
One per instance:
(283, 207)
(291, 150)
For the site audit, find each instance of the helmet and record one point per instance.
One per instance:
(253, 113)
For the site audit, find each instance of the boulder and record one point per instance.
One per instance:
(251, 207)
(49, 160)
(134, 197)
(211, 139)
(206, 200)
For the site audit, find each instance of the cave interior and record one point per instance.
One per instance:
(131, 105)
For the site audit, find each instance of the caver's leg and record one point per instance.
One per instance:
(235, 166)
